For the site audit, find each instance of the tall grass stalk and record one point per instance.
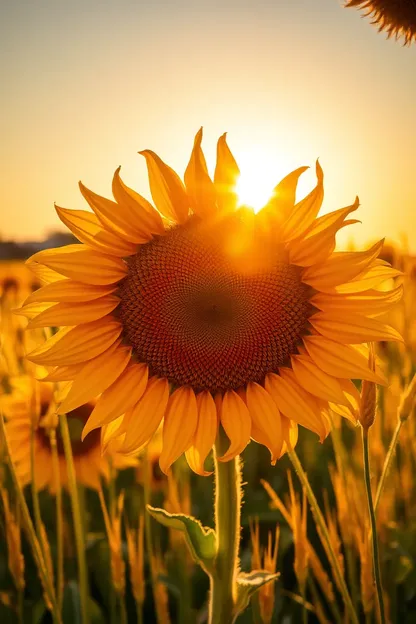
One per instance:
(321, 524)
(59, 520)
(30, 530)
(77, 520)
(374, 539)
(387, 463)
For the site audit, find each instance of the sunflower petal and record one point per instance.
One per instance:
(43, 273)
(146, 416)
(88, 229)
(73, 345)
(62, 373)
(82, 264)
(369, 278)
(265, 417)
(315, 381)
(114, 217)
(166, 187)
(119, 398)
(205, 434)
(341, 267)
(353, 329)
(294, 403)
(68, 291)
(319, 241)
(144, 218)
(226, 176)
(305, 211)
(290, 434)
(236, 422)
(95, 376)
(199, 185)
(284, 195)
(341, 360)
(179, 426)
(368, 303)
(74, 313)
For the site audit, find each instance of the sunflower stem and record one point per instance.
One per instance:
(59, 520)
(387, 463)
(320, 521)
(148, 536)
(374, 539)
(227, 528)
(77, 520)
(34, 491)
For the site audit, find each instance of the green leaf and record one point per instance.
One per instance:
(201, 540)
(248, 584)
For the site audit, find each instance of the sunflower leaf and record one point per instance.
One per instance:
(201, 540)
(248, 584)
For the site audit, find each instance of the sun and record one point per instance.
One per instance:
(258, 178)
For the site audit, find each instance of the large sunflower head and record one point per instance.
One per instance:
(202, 313)
(395, 17)
(32, 404)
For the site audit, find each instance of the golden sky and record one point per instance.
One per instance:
(87, 84)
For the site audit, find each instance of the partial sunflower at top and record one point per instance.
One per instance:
(396, 17)
(200, 312)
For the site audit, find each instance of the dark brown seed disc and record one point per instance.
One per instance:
(213, 305)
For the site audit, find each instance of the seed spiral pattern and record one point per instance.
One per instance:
(207, 307)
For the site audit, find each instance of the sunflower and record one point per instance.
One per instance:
(33, 402)
(200, 312)
(396, 17)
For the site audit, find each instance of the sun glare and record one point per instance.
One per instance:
(259, 176)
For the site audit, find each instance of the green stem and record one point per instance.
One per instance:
(387, 463)
(374, 540)
(59, 521)
(321, 524)
(341, 459)
(227, 529)
(123, 612)
(34, 491)
(30, 529)
(77, 520)
(112, 508)
(148, 536)
(139, 612)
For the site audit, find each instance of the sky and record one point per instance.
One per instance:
(87, 84)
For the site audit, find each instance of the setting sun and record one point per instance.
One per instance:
(259, 176)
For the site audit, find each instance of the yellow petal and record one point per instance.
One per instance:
(293, 402)
(305, 211)
(205, 434)
(146, 416)
(77, 344)
(110, 435)
(369, 278)
(166, 187)
(68, 291)
(265, 417)
(340, 360)
(179, 426)
(95, 376)
(315, 381)
(236, 422)
(88, 229)
(368, 303)
(142, 216)
(226, 176)
(289, 433)
(82, 264)
(43, 273)
(199, 185)
(63, 373)
(319, 241)
(114, 217)
(74, 313)
(120, 397)
(341, 267)
(353, 328)
(32, 310)
(283, 200)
